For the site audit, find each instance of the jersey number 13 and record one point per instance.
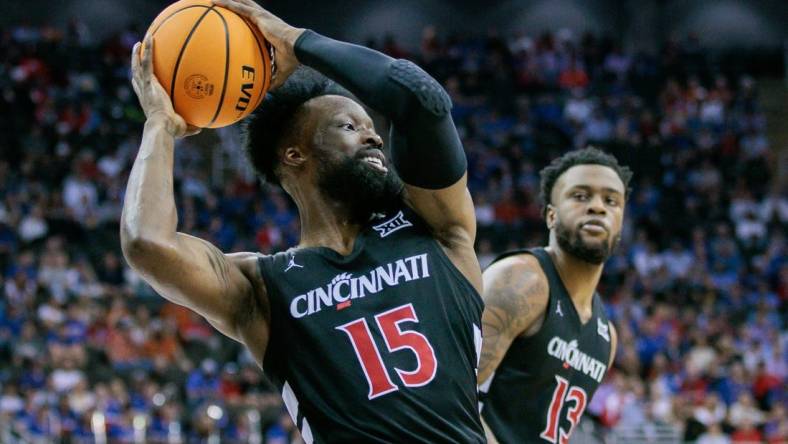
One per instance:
(563, 393)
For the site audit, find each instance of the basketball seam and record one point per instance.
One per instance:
(180, 54)
(175, 12)
(226, 66)
(262, 59)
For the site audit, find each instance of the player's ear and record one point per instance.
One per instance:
(550, 216)
(293, 156)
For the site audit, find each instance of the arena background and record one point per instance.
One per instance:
(691, 95)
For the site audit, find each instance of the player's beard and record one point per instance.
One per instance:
(355, 183)
(573, 243)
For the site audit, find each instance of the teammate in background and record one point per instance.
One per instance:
(370, 327)
(547, 342)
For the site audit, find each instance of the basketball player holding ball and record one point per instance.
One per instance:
(370, 327)
(547, 341)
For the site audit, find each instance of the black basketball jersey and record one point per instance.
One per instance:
(545, 381)
(381, 345)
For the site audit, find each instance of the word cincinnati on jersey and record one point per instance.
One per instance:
(570, 354)
(344, 287)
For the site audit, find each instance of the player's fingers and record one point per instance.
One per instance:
(248, 3)
(244, 10)
(135, 57)
(147, 58)
(135, 66)
(253, 5)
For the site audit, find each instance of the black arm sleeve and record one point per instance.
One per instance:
(425, 147)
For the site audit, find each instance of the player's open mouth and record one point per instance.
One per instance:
(375, 160)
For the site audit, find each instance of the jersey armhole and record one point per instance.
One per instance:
(261, 266)
(457, 273)
(272, 352)
(423, 226)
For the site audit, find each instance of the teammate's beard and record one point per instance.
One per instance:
(364, 190)
(572, 242)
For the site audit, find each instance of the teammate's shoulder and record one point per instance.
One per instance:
(517, 286)
(518, 272)
(522, 258)
(519, 263)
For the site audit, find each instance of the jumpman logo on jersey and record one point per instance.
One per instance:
(292, 264)
(558, 309)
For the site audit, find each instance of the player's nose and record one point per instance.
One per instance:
(372, 139)
(596, 205)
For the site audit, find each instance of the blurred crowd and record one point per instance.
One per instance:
(697, 289)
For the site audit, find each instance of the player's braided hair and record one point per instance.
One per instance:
(272, 121)
(586, 156)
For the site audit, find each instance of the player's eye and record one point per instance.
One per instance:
(612, 202)
(580, 196)
(348, 126)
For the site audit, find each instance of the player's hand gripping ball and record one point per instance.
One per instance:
(279, 34)
(154, 100)
(214, 65)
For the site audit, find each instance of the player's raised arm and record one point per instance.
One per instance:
(515, 298)
(426, 149)
(184, 269)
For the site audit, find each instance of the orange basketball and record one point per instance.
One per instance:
(214, 64)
